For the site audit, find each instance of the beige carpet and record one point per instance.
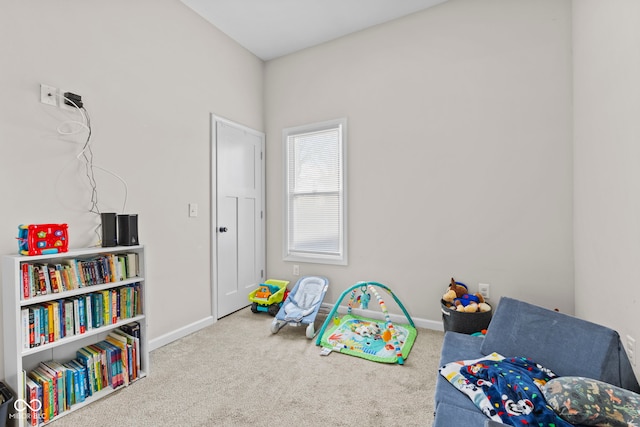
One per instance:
(237, 373)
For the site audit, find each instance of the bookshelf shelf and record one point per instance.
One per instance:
(124, 300)
(75, 292)
(89, 333)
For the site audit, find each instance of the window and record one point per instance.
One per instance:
(315, 203)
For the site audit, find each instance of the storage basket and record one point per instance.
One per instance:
(466, 323)
(6, 399)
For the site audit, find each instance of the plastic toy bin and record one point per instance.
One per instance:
(6, 399)
(466, 323)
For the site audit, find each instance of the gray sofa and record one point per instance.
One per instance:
(567, 345)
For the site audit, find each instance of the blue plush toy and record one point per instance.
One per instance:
(458, 296)
(467, 299)
(364, 300)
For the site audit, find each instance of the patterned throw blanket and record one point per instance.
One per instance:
(507, 390)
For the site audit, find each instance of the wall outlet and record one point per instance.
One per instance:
(193, 210)
(631, 349)
(483, 289)
(296, 270)
(48, 95)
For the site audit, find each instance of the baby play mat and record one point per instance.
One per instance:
(362, 337)
(371, 339)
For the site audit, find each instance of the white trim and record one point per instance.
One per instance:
(208, 321)
(341, 259)
(213, 191)
(172, 336)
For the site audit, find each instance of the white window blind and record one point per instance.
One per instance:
(315, 184)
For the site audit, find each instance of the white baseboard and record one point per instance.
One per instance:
(419, 322)
(208, 321)
(180, 333)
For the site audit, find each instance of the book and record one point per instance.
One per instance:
(106, 307)
(83, 380)
(53, 279)
(122, 267)
(74, 272)
(53, 392)
(134, 355)
(44, 269)
(73, 384)
(49, 333)
(33, 281)
(112, 268)
(48, 395)
(32, 392)
(64, 277)
(132, 265)
(76, 316)
(57, 372)
(114, 306)
(32, 327)
(41, 288)
(114, 378)
(88, 311)
(69, 323)
(26, 289)
(38, 325)
(82, 314)
(24, 325)
(61, 318)
(132, 329)
(105, 361)
(96, 307)
(85, 358)
(121, 342)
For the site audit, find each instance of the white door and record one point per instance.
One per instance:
(239, 229)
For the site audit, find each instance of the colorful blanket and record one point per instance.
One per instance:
(507, 390)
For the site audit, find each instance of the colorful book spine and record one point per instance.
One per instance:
(33, 392)
(26, 291)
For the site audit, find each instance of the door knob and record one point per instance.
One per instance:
(223, 229)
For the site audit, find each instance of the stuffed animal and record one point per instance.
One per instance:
(484, 307)
(456, 290)
(458, 298)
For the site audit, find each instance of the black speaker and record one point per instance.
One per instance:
(128, 230)
(109, 236)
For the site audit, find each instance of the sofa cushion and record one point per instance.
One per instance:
(448, 415)
(591, 402)
(456, 346)
(559, 342)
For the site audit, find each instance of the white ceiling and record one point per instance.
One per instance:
(273, 28)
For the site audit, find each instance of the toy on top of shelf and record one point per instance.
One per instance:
(40, 239)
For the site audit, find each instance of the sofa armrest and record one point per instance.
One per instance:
(565, 344)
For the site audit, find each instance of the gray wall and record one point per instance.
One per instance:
(459, 150)
(150, 73)
(607, 151)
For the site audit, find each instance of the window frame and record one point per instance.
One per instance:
(290, 254)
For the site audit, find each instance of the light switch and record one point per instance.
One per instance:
(193, 209)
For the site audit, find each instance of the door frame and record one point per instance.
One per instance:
(214, 206)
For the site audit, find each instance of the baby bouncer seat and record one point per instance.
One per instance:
(302, 305)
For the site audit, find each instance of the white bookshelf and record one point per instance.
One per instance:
(17, 358)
